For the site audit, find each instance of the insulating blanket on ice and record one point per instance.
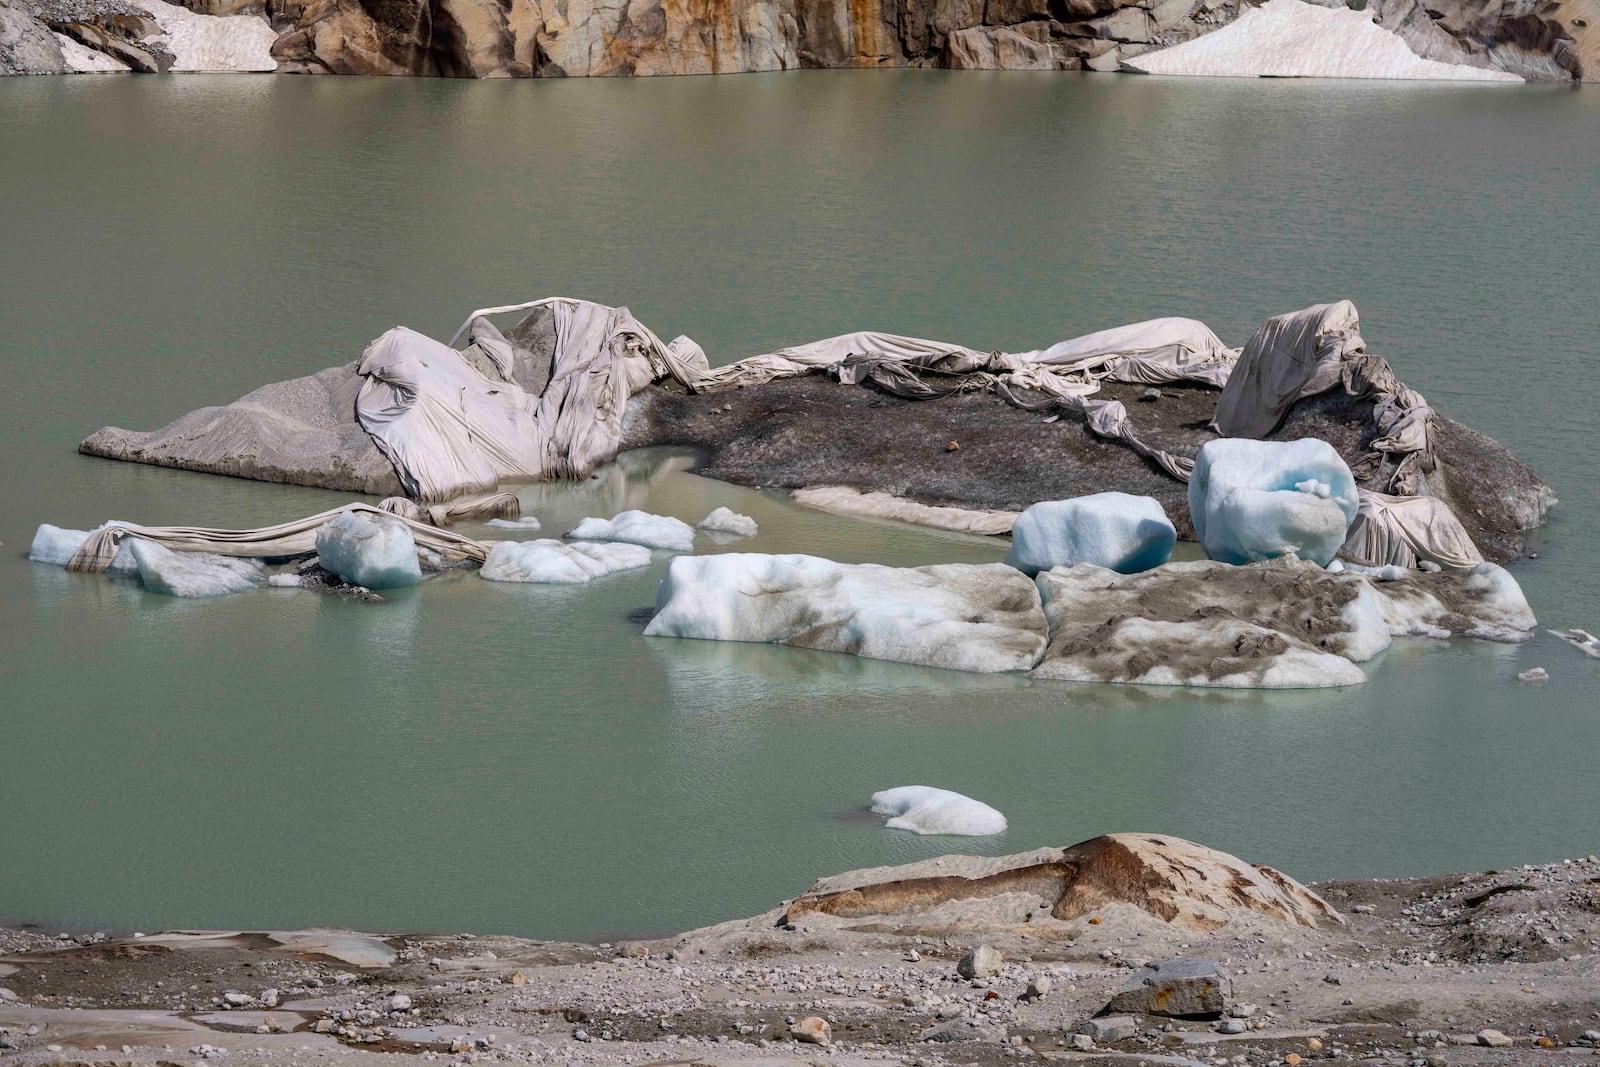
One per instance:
(286, 539)
(1304, 353)
(455, 422)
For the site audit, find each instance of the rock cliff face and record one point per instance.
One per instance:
(1538, 39)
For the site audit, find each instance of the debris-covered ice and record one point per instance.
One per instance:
(548, 560)
(923, 809)
(1117, 530)
(961, 616)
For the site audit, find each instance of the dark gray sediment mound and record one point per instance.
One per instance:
(812, 431)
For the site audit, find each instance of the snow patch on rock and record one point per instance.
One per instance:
(84, 60)
(1117, 530)
(376, 551)
(1293, 39)
(960, 616)
(639, 528)
(192, 574)
(212, 43)
(548, 560)
(925, 810)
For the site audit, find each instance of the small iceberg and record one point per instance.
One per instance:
(1255, 500)
(527, 522)
(923, 809)
(728, 521)
(639, 528)
(369, 549)
(1125, 533)
(56, 546)
(193, 574)
(547, 560)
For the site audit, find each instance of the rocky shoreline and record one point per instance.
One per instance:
(1495, 967)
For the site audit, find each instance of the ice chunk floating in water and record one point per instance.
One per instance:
(639, 528)
(728, 521)
(363, 548)
(1126, 533)
(547, 560)
(923, 809)
(193, 574)
(961, 616)
(1252, 500)
(57, 546)
(1291, 39)
(527, 522)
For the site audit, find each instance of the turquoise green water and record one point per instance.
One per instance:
(476, 756)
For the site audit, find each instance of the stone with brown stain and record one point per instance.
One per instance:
(1176, 881)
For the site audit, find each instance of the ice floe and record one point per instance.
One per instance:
(526, 522)
(639, 528)
(56, 546)
(925, 810)
(192, 574)
(728, 521)
(1117, 530)
(548, 560)
(1293, 39)
(215, 43)
(961, 616)
(369, 549)
(1252, 500)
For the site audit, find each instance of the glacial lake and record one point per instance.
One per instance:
(473, 756)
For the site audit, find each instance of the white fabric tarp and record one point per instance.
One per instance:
(293, 538)
(456, 422)
(1402, 530)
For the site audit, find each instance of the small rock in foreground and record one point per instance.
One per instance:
(1179, 987)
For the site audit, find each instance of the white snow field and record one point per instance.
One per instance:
(923, 809)
(548, 560)
(57, 546)
(375, 551)
(192, 574)
(728, 521)
(84, 60)
(1293, 39)
(639, 528)
(1253, 500)
(961, 616)
(213, 43)
(1117, 530)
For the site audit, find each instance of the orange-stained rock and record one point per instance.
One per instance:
(1174, 880)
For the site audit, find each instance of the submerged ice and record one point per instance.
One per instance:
(192, 574)
(923, 809)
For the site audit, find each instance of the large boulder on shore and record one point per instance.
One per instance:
(1176, 881)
